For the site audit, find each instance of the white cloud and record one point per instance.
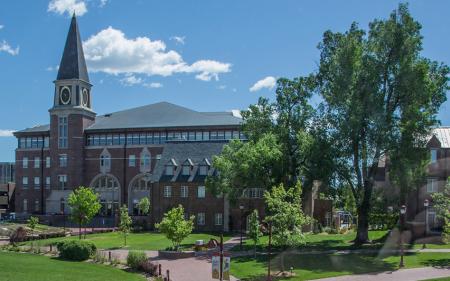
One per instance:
(1, 26)
(68, 7)
(111, 52)
(52, 68)
(268, 82)
(6, 133)
(103, 3)
(5, 47)
(222, 87)
(131, 80)
(178, 39)
(153, 85)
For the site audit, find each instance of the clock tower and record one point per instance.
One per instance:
(70, 115)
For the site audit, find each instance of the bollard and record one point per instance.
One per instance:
(159, 269)
(51, 250)
(109, 256)
(168, 275)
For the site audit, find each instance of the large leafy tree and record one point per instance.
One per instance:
(246, 164)
(84, 205)
(380, 95)
(175, 227)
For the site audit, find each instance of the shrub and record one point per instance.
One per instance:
(19, 235)
(149, 267)
(76, 250)
(343, 230)
(135, 259)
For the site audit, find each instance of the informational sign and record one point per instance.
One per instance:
(215, 262)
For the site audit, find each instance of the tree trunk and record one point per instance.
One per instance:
(362, 234)
(79, 230)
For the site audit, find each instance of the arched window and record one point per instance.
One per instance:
(105, 183)
(108, 189)
(145, 161)
(105, 161)
(142, 183)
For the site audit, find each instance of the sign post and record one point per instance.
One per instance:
(220, 262)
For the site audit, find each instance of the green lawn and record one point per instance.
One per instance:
(26, 267)
(135, 241)
(323, 241)
(308, 266)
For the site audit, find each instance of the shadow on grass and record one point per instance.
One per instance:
(438, 263)
(316, 266)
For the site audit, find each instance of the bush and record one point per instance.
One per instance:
(19, 235)
(135, 259)
(76, 250)
(149, 267)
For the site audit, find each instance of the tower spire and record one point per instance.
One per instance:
(73, 65)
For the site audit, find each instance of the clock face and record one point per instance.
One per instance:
(65, 95)
(85, 97)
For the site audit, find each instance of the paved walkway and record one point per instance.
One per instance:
(413, 274)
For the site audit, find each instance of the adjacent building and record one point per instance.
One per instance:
(6, 172)
(161, 151)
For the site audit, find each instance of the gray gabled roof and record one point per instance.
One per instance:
(180, 152)
(443, 135)
(73, 65)
(35, 129)
(162, 115)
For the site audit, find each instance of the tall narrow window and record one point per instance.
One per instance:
(63, 160)
(62, 132)
(37, 182)
(37, 162)
(433, 155)
(184, 191)
(167, 191)
(25, 162)
(201, 218)
(201, 192)
(47, 182)
(25, 182)
(47, 162)
(36, 205)
(218, 218)
(132, 161)
(62, 180)
(432, 185)
(105, 161)
(25, 205)
(145, 161)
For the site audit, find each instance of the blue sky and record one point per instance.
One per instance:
(205, 55)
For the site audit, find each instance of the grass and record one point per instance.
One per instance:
(438, 279)
(323, 241)
(306, 266)
(135, 241)
(25, 267)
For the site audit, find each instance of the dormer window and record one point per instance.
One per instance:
(433, 156)
(204, 167)
(187, 167)
(170, 167)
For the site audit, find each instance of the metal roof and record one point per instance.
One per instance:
(73, 65)
(443, 135)
(162, 115)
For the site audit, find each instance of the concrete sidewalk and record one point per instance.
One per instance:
(413, 274)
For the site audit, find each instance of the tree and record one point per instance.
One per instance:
(144, 205)
(84, 205)
(379, 95)
(441, 203)
(175, 227)
(254, 229)
(125, 223)
(244, 164)
(32, 223)
(284, 208)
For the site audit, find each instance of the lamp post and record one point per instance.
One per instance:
(402, 223)
(241, 207)
(426, 203)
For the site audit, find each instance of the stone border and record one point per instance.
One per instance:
(176, 255)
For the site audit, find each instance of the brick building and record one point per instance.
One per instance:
(161, 151)
(421, 219)
(7, 170)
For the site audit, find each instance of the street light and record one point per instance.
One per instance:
(241, 207)
(402, 222)
(269, 226)
(426, 203)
